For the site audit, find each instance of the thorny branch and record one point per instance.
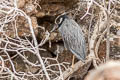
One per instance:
(20, 46)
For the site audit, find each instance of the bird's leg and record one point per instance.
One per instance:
(73, 59)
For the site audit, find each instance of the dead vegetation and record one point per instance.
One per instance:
(29, 51)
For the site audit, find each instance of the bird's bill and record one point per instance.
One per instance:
(54, 28)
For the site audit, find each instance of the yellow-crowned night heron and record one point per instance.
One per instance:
(72, 36)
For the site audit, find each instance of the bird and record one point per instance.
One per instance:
(72, 35)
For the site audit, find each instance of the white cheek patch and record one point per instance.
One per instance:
(60, 20)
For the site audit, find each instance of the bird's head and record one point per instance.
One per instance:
(58, 21)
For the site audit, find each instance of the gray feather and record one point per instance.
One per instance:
(73, 38)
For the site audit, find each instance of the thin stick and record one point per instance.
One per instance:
(36, 44)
